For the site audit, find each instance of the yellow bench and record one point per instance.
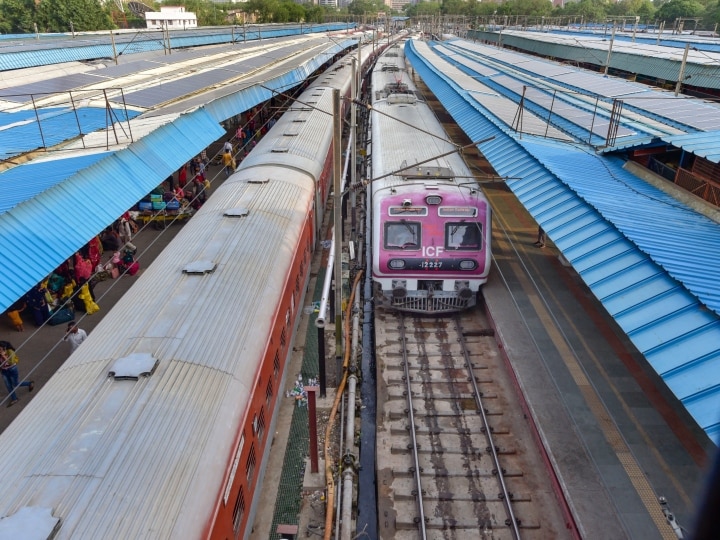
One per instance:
(162, 217)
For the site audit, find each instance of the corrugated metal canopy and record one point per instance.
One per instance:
(623, 238)
(88, 46)
(51, 126)
(681, 111)
(657, 61)
(705, 144)
(82, 188)
(26, 181)
(60, 220)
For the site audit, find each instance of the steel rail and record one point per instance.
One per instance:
(411, 415)
(488, 431)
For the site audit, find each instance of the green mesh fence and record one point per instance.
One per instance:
(289, 498)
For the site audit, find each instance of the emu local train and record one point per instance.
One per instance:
(160, 424)
(431, 222)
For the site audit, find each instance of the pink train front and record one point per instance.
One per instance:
(431, 222)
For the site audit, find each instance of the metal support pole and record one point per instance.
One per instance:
(353, 135)
(321, 361)
(312, 427)
(112, 39)
(681, 75)
(37, 117)
(337, 188)
(607, 61)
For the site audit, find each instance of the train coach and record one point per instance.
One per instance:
(159, 425)
(431, 222)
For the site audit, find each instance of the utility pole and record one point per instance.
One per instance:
(681, 75)
(337, 209)
(607, 61)
(353, 132)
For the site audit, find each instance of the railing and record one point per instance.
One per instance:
(660, 168)
(697, 185)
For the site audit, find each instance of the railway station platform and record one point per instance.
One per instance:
(618, 440)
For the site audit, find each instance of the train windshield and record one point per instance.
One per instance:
(463, 236)
(402, 235)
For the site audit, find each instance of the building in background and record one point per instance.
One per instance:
(171, 17)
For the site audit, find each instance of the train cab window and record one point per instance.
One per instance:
(463, 236)
(402, 235)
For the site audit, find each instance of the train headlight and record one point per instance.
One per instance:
(396, 264)
(433, 199)
(468, 264)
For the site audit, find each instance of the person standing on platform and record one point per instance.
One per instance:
(540, 242)
(74, 336)
(38, 304)
(228, 163)
(182, 176)
(124, 230)
(15, 317)
(10, 373)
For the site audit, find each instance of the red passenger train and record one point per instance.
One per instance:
(431, 221)
(159, 425)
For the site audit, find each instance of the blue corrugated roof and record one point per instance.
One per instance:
(61, 219)
(705, 144)
(624, 239)
(58, 51)
(87, 201)
(647, 216)
(53, 126)
(26, 181)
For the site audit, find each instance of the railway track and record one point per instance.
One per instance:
(455, 457)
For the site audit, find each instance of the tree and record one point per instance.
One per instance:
(368, 8)
(642, 8)
(590, 10)
(481, 9)
(207, 13)
(16, 16)
(679, 8)
(453, 7)
(422, 9)
(314, 14)
(85, 15)
(712, 13)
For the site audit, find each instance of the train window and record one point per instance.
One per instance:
(239, 510)
(250, 464)
(276, 364)
(402, 235)
(261, 425)
(457, 211)
(269, 392)
(463, 236)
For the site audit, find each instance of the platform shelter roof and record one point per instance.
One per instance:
(705, 144)
(72, 191)
(658, 62)
(49, 49)
(620, 234)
